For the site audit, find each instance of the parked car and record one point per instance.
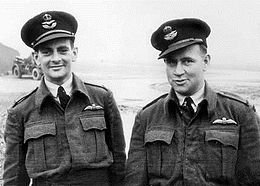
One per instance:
(26, 66)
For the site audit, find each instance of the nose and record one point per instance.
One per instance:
(179, 70)
(55, 57)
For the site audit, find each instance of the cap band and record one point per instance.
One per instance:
(50, 32)
(178, 45)
(184, 41)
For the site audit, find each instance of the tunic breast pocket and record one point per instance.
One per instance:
(159, 152)
(42, 145)
(96, 149)
(221, 147)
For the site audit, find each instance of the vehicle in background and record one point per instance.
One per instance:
(26, 66)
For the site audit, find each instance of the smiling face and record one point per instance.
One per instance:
(185, 69)
(55, 58)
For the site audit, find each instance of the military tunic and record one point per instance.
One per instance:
(220, 145)
(81, 145)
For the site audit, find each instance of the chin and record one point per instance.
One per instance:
(58, 77)
(181, 91)
(57, 74)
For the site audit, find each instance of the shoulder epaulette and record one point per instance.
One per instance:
(234, 97)
(96, 86)
(155, 100)
(24, 97)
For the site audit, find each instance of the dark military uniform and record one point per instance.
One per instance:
(81, 145)
(219, 146)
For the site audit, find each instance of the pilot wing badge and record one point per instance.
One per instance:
(93, 107)
(225, 121)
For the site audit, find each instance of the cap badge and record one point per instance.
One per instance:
(48, 22)
(170, 34)
(46, 17)
(167, 29)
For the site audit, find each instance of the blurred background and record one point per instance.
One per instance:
(119, 31)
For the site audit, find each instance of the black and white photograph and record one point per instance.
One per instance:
(129, 92)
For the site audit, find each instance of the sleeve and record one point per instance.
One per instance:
(247, 170)
(14, 164)
(136, 171)
(115, 140)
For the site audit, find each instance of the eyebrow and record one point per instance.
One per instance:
(44, 48)
(185, 58)
(50, 48)
(174, 59)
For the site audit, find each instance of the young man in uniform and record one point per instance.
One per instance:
(192, 135)
(65, 132)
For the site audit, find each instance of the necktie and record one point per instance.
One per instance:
(63, 97)
(187, 109)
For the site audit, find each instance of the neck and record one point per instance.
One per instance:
(59, 81)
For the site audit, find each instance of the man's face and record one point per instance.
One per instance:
(55, 58)
(185, 69)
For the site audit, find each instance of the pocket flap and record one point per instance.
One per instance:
(159, 135)
(224, 137)
(95, 122)
(38, 130)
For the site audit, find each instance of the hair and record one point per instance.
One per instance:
(203, 48)
(71, 39)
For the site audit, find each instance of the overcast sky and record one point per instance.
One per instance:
(119, 31)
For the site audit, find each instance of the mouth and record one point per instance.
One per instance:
(180, 81)
(56, 67)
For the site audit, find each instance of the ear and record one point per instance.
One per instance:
(74, 54)
(35, 55)
(206, 61)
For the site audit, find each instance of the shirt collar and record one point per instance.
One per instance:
(53, 88)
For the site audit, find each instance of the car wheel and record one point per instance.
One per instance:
(17, 72)
(36, 74)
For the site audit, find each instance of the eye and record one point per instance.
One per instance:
(187, 61)
(170, 62)
(45, 52)
(63, 50)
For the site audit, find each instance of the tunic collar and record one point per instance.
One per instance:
(43, 92)
(210, 97)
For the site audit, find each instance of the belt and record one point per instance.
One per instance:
(97, 177)
(41, 182)
(37, 182)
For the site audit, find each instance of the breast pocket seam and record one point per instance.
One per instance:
(154, 139)
(35, 132)
(229, 146)
(95, 126)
